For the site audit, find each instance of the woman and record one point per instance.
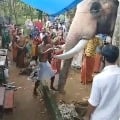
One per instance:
(98, 59)
(20, 59)
(87, 68)
(14, 47)
(56, 63)
(35, 43)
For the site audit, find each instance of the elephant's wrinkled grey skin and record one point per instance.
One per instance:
(92, 17)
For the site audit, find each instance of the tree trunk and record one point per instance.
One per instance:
(15, 12)
(31, 15)
(4, 9)
(40, 14)
(116, 35)
(64, 74)
(10, 4)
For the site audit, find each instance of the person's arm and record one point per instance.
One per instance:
(48, 50)
(41, 49)
(94, 99)
(18, 45)
(90, 110)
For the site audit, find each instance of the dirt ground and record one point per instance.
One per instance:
(74, 90)
(33, 108)
(26, 106)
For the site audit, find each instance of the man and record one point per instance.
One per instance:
(45, 71)
(104, 101)
(38, 24)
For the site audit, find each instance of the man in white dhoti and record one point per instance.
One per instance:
(44, 71)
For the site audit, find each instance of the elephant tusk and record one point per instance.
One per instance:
(69, 54)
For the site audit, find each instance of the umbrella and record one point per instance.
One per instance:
(52, 7)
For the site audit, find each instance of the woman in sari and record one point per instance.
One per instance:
(20, 59)
(98, 59)
(14, 47)
(36, 41)
(56, 63)
(87, 68)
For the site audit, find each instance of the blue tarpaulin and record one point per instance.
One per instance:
(52, 7)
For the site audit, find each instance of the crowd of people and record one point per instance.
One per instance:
(36, 50)
(42, 42)
(34, 54)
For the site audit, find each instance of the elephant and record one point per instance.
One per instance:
(92, 17)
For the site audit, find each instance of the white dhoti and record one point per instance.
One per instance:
(45, 72)
(77, 60)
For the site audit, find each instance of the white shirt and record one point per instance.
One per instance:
(105, 94)
(48, 24)
(42, 35)
(33, 62)
(29, 24)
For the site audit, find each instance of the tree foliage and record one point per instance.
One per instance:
(17, 10)
(20, 11)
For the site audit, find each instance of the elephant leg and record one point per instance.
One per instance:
(64, 74)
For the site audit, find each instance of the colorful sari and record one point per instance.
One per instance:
(35, 44)
(97, 64)
(87, 69)
(20, 61)
(21, 53)
(56, 63)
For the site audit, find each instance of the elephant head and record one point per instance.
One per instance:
(92, 17)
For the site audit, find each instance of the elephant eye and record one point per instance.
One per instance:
(95, 7)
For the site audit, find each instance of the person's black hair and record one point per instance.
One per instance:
(34, 58)
(110, 53)
(45, 39)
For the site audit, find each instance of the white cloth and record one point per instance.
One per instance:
(105, 94)
(108, 39)
(48, 24)
(42, 35)
(45, 72)
(77, 59)
(64, 28)
(29, 24)
(33, 62)
(6, 73)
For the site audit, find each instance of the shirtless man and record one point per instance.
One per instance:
(45, 72)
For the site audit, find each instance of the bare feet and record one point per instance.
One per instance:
(52, 88)
(35, 93)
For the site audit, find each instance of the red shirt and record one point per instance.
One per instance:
(39, 25)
